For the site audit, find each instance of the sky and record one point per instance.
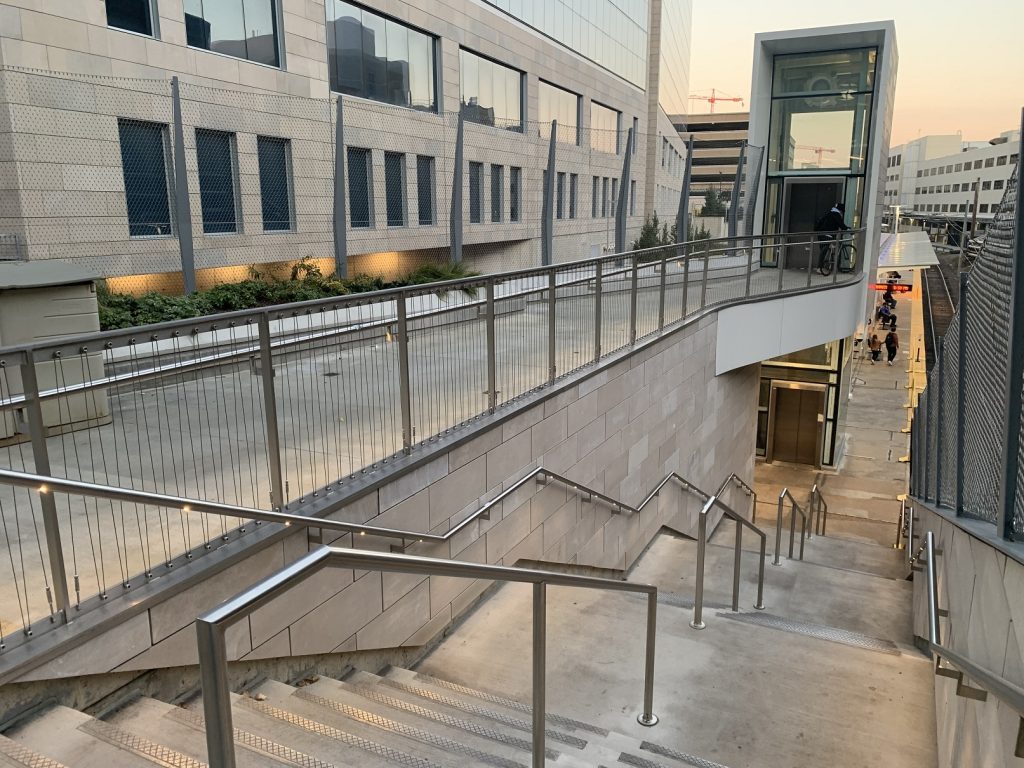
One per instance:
(960, 63)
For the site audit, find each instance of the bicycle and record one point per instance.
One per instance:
(839, 251)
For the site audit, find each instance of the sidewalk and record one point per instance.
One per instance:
(862, 493)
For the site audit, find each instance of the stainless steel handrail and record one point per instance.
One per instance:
(819, 510)
(794, 509)
(211, 628)
(901, 523)
(1010, 693)
(734, 478)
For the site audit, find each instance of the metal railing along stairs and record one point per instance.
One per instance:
(795, 509)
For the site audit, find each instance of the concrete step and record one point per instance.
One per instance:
(17, 755)
(80, 741)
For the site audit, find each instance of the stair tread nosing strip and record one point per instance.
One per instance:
(144, 748)
(518, 706)
(445, 719)
(417, 734)
(255, 743)
(23, 756)
(821, 631)
(642, 762)
(465, 706)
(381, 750)
(683, 757)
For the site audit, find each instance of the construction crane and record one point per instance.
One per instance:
(714, 98)
(819, 150)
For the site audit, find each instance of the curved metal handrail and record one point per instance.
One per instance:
(212, 626)
(1011, 693)
(819, 510)
(734, 478)
(794, 509)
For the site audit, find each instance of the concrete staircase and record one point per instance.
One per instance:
(827, 674)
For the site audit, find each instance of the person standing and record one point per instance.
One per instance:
(892, 345)
(828, 228)
(875, 346)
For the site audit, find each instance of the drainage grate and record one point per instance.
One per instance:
(518, 706)
(697, 762)
(820, 631)
(401, 729)
(148, 750)
(22, 756)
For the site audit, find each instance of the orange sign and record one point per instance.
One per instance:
(895, 287)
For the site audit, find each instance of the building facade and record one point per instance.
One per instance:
(717, 138)
(90, 170)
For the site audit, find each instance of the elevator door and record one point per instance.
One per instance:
(796, 425)
(804, 202)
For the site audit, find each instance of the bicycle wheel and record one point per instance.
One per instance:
(827, 262)
(847, 258)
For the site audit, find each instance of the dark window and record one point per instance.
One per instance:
(983, 208)
(956, 187)
(379, 58)
(144, 161)
(997, 184)
(574, 184)
(490, 93)
(394, 187)
(604, 196)
(274, 183)
(476, 192)
(615, 196)
(359, 210)
(560, 195)
(245, 29)
(636, 133)
(989, 162)
(595, 197)
(986, 185)
(632, 197)
(425, 189)
(1001, 160)
(977, 163)
(497, 177)
(554, 103)
(958, 167)
(132, 15)
(216, 181)
(514, 180)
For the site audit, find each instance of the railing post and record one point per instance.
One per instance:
(552, 352)
(455, 213)
(598, 289)
(213, 675)
(661, 294)
(47, 502)
(792, 527)
(736, 563)
(803, 535)
(647, 717)
(404, 393)
(683, 211)
(704, 278)
(633, 287)
(539, 671)
(548, 201)
(277, 500)
(777, 560)
(815, 251)
(182, 204)
(702, 535)
(961, 378)
(686, 280)
(939, 358)
(622, 204)
(492, 356)
(780, 260)
(759, 605)
(340, 222)
(750, 267)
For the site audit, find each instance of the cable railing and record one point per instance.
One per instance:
(212, 626)
(794, 510)
(988, 680)
(278, 408)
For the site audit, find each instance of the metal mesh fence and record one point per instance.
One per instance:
(946, 450)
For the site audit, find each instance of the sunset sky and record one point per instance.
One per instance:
(961, 64)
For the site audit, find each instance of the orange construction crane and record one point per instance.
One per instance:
(714, 98)
(820, 150)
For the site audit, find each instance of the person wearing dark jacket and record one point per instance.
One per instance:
(829, 226)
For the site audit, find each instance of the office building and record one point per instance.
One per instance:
(717, 138)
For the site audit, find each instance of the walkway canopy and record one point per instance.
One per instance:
(906, 251)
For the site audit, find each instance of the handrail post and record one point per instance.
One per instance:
(633, 301)
(803, 534)
(404, 376)
(759, 605)
(815, 245)
(792, 527)
(737, 562)
(779, 263)
(661, 294)
(41, 458)
(698, 598)
(213, 675)
(933, 598)
(686, 280)
(750, 268)
(598, 288)
(277, 500)
(552, 364)
(704, 277)
(777, 560)
(539, 670)
(647, 717)
(492, 364)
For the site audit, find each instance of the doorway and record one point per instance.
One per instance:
(797, 417)
(804, 201)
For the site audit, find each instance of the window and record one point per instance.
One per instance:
(963, 207)
(515, 176)
(595, 197)
(394, 188)
(956, 187)
(554, 103)
(360, 207)
(1001, 160)
(144, 163)
(664, 150)
(604, 128)
(216, 164)
(997, 184)
(275, 182)
(131, 15)
(497, 184)
(574, 183)
(959, 167)
(632, 197)
(946, 188)
(604, 197)
(476, 192)
(378, 58)
(986, 185)
(245, 29)
(636, 133)
(919, 174)
(425, 189)
(949, 169)
(989, 162)
(615, 196)
(560, 195)
(1013, 159)
(490, 93)
(940, 170)
(983, 208)
(977, 163)
(945, 207)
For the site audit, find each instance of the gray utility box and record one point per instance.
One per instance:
(39, 302)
